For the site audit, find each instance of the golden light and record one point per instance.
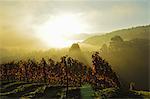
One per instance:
(57, 29)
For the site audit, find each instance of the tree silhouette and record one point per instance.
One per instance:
(105, 77)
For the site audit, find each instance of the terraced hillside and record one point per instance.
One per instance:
(35, 90)
(24, 90)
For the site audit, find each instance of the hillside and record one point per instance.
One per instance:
(127, 50)
(127, 34)
(23, 90)
(129, 57)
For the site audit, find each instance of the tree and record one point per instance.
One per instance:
(116, 39)
(105, 77)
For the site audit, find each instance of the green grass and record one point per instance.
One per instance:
(144, 94)
(37, 92)
(2, 83)
(19, 89)
(107, 93)
(43, 91)
(118, 93)
(53, 92)
(86, 91)
(11, 86)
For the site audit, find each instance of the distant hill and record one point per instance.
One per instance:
(141, 32)
(127, 50)
(129, 58)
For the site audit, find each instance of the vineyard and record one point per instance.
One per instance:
(68, 78)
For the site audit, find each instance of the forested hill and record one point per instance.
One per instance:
(127, 34)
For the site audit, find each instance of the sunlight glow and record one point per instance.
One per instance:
(55, 31)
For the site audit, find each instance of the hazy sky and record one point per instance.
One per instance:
(21, 19)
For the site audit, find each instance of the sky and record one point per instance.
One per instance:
(32, 23)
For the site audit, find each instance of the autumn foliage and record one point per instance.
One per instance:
(67, 71)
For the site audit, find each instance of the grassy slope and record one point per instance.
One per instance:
(42, 91)
(144, 94)
(117, 93)
(86, 92)
(127, 34)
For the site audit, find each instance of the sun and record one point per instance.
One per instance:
(55, 31)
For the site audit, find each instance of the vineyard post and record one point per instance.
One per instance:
(7, 72)
(66, 64)
(80, 73)
(44, 63)
(26, 75)
(67, 79)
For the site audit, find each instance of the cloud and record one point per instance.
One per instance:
(18, 18)
(11, 38)
(116, 15)
(16, 26)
